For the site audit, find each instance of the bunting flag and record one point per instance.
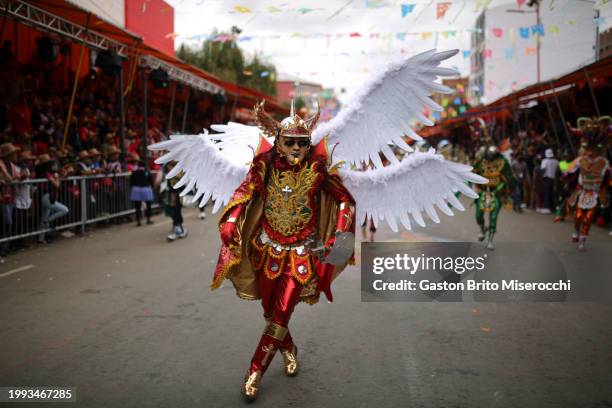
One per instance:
(407, 9)
(374, 4)
(466, 53)
(462, 109)
(304, 10)
(520, 3)
(530, 50)
(509, 53)
(441, 9)
(599, 21)
(487, 53)
(511, 35)
(537, 29)
(171, 35)
(482, 5)
(242, 9)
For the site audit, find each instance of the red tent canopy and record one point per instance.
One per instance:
(501, 108)
(78, 16)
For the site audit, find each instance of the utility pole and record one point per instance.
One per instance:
(539, 24)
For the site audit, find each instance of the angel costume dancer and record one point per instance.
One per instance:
(289, 216)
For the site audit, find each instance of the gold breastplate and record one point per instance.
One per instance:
(492, 171)
(591, 172)
(287, 208)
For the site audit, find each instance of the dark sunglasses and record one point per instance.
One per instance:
(300, 143)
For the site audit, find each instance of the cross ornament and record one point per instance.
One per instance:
(286, 191)
(269, 350)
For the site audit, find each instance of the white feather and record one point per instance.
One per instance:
(380, 111)
(213, 165)
(409, 188)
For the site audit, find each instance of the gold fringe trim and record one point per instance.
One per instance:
(245, 296)
(311, 300)
(236, 202)
(219, 279)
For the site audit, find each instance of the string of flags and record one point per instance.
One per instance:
(511, 33)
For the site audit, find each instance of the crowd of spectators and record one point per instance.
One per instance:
(35, 144)
(540, 157)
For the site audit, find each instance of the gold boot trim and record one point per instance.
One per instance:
(251, 385)
(290, 361)
(277, 331)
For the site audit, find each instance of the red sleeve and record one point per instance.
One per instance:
(244, 193)
(345, 220)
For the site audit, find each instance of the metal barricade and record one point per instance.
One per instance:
(33, 207)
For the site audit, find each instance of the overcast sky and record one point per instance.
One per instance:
(333, 58)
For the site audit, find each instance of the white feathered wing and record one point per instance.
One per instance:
(379, 114)
(381, 111)
(406, 190)
(213, 165)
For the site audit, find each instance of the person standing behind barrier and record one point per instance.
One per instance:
(23, 194)
(112, 187)
(51, 209)
(521, 173)
(96, 164)
(83, 164)
(141, 182)
(174, 206)
(9, 172)
(549, 168)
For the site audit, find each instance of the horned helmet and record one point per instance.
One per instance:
(291, 126)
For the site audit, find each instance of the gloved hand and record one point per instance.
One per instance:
(330, 243)
(229, 234)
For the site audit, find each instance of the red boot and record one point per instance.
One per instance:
(270, 341)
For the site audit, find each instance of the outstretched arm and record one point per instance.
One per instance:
(228, 223)
(346, 205)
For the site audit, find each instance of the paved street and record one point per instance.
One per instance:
(129, 319)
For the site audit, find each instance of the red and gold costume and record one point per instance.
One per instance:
(591, 190)
(279, 210)
(288, 208)
(589, 193)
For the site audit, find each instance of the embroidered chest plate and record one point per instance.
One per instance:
(287, 206)
(492, 171)
(592, 171)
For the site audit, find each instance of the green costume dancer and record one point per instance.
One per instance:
(496, 169)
